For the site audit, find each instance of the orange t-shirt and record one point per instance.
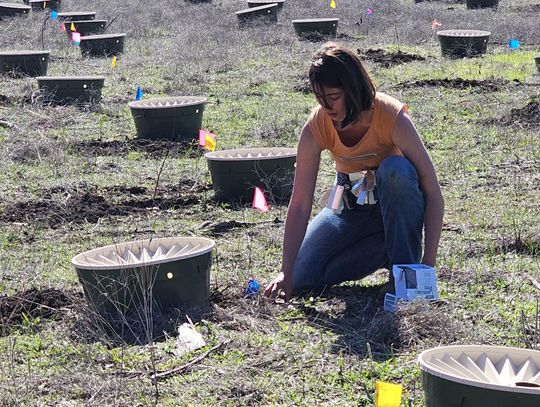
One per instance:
(376, 144)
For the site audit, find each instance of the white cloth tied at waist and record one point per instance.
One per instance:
(362, 185)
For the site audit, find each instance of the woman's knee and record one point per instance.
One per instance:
(396, 172)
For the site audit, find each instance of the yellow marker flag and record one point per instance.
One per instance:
(210, 142)
(387, 394)
(207, 139)
(333, 4)
(114, 62)
(72, 27)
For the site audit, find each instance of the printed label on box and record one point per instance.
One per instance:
(415, 281)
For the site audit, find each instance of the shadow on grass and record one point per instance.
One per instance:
(355, 313)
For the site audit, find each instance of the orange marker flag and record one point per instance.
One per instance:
(72, 27)
(259, 201)
(333, 4)
(207, 140)
(114, 62)
(387, 394)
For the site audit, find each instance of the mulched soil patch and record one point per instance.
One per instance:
(526, 116)
(458, 83)
(388, 59)
(85, 204)
(34, 303)
(154, 148)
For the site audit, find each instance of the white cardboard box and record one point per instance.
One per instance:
(415, 281)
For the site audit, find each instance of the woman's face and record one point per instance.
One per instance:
(335, 103)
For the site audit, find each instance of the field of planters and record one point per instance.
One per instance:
(76, 177)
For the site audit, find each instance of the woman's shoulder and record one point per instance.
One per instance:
(321, 127)
(389, 102)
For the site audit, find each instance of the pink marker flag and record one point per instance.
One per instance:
(76, 38)
(435, 24)
(207, 140)
(259, 201)
(369, 12)
(62, 27)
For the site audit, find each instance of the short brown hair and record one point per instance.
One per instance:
(338, 67)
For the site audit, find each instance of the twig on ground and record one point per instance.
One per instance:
(534, 281)
(179, 369)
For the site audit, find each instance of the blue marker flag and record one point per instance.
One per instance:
(252, 288)
(139, 93)
(54, 15)
(513, 43)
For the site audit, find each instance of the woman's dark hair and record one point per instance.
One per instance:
(335, 66)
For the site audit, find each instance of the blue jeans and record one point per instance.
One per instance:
(355, 243)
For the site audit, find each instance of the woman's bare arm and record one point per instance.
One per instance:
(406, 137)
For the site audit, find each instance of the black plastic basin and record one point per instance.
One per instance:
(102, 45)
(77, 15)
(265, 14)
(236, 173)
(463, 43)
(31, 63)
(13, 10)
(316, 28)
(86, 27)
(66, 90)
(176, 118)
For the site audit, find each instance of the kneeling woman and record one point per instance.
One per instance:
(388, 186)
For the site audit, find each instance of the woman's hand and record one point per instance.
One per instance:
(279, 287)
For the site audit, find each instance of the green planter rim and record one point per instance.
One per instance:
(24, 53)
(251, 154)
(265, 2)
(142, 253)
(102, 36)
(458, 363)
(464, 33)
(315, 20)
(71, 14)
(171, 102)
(15, 6)
(255, 9)
(70, 78)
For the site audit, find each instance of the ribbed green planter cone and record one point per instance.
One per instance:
(125, 278)
(176, 118)
(472, 4)
(67, 90)
(86, 27)
(45, 4)
(265, 14)
(30, 63)
(13, 10)
(102, 45)
(480, 376)
(463, 43)
(77, 16)
(258, 3)
(236, 173)
(315, 28)
(537, 62)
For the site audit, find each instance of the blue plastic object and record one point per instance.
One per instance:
(252, 288)
(139, 93)
(513, 43)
